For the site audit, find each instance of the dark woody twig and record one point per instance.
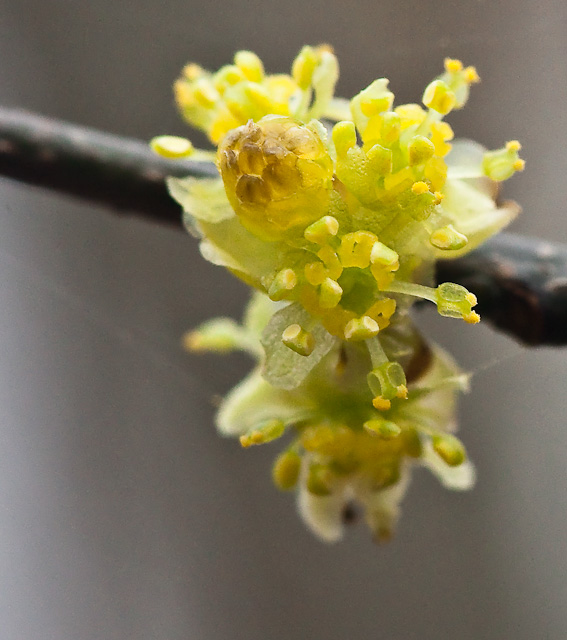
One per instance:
(521, 283)
(122, 174)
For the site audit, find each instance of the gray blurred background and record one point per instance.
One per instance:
(122, 514)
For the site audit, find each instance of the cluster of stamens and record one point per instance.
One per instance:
(350, 217)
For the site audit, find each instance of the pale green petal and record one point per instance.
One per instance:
(459, 478)
(258, 313)
(382, 508)
(226, 242)
(323, 515)
(233, 246)
(254, 401)
(338, 109)
(283, 367)
(203, 198)
(223, 335)
(433, 399)
(473, 213)
(465, 159)
(324, 80)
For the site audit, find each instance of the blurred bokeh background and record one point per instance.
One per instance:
(122, 513)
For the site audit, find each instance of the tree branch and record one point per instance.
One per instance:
(521, 283)
(120, 173)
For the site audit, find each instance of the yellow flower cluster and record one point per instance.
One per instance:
(335, 211)
(237, 93)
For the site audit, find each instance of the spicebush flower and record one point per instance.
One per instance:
(341, 448)
(335, 211)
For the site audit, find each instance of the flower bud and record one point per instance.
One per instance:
(277, 175)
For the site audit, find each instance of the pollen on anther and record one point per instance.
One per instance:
(381, 403)
(419, 188)
(451, 64)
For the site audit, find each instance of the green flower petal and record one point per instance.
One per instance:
(202, 198)
(473, 213)
(254, 401)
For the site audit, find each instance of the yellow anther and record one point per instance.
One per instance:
(250, 65)
(201, 340)
(402, 392)
(259, 98)
(454, 301)
(388, 380)
(448, 238)
(330, 294)
(319, 480)
(420, 150)
(384, 429)
(382, 311)
(420, 188)
(391, 127)
(472, 318)
(172, 146)
(449, 448)
(315, 273)
(266, 433)
(361, 328)
(410, 114)
(471, 75)
(355, 249)
(381, 403)
(397, 182)
(452, 65)
(303, 67)
(380, 159)
(227, 76)
(436, 172)
(344, 137)
(327, 439)
(503, 163)
(298, 340)
(320, 231)
(331, 261)
(438, 198)
(284, 282)
(439, 97)
(205, 94)
(285, 471)
(192, 71)
(384, 273)
(375, 99)
(383, 255)
(440, 133)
